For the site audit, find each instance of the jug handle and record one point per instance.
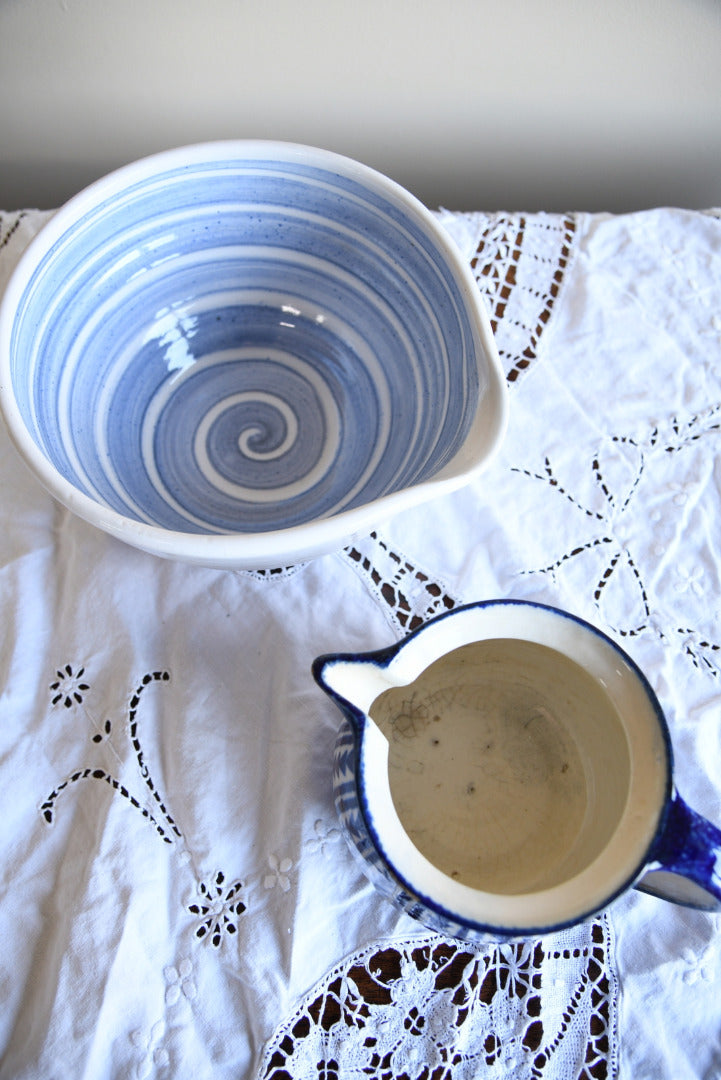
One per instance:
(685, 863)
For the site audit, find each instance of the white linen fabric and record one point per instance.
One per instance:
(176, 899)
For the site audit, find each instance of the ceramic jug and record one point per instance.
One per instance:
(506, 770)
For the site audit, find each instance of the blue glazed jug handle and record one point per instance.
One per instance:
(685, 864)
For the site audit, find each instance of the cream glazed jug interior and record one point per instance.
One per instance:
(525, 803)
(513, 769)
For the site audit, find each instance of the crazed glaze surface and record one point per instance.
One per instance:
(243, 339)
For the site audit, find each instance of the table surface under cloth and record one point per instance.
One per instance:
(176, 899)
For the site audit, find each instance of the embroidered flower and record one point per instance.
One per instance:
(323, 838)
(218, 909)
(514, 968)
(420, 984)
(179, 983)
(68, 687)
(415, 1056)
(699, 966)
(279, 873)
(155, 1057)
(689, 579)
(681, 492)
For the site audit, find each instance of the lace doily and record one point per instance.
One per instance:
(428, 1008)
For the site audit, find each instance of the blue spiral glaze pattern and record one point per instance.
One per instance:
(245, 345)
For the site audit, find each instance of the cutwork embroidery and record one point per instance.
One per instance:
(277, 573)
(407, 594)
(620, 555)
(220, 905)
(513, 253)
(165, 828)
(218, 909)
(68, 686)
(99, 736)
(156, 676)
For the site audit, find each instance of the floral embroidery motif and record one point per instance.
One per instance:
(155, 1057)
(323, 838)
(179, 983)
(218, 909)
(689, 579)
(166, 828)
(702, 965)
(279, 870)
(220, 905)
(68, 687)
(611, 537)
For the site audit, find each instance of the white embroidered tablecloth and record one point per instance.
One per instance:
(176, 900)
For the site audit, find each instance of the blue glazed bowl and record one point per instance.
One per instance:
(243, 354)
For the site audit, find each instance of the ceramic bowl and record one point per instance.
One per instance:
(243, 354)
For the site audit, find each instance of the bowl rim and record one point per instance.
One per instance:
(297, 543)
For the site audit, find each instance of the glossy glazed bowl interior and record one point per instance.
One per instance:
(242, 354)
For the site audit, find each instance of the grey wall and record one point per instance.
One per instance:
(472, 104)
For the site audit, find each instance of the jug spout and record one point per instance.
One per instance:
(353, 681)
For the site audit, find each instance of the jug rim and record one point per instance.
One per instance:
(612, 872)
